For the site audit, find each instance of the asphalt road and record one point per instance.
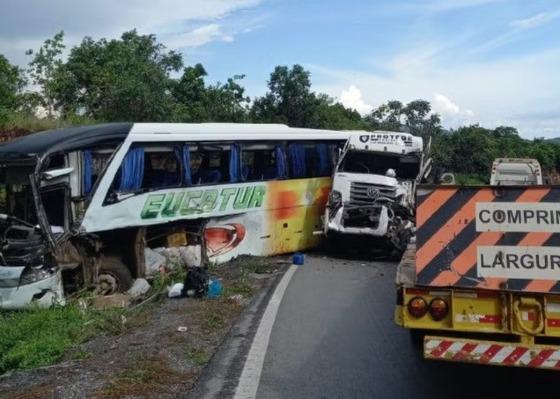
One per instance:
(334, 337)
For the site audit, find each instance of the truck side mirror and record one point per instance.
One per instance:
(54, 173)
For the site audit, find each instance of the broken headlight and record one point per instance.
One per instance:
(33, 274)
(335, 198)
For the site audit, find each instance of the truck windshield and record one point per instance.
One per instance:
(375, 163)
(16, 198)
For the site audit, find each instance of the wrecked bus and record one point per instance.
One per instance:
(78, 206)
(373, 188)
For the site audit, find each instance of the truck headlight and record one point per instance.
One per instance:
(33, 274)
(335, 198)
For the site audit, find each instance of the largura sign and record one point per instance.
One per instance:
(533, 263)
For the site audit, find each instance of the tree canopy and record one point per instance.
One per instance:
(136, 78)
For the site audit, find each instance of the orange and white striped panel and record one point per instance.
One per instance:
(492, 353)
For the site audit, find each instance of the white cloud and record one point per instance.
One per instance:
(490, 92)
(27, 23)
(197, 37)
(535, 21)
(452, 115)
(352, 98)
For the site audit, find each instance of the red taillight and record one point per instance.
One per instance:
(438, 309)
(417, 306)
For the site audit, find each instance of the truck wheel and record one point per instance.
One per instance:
(113, 277)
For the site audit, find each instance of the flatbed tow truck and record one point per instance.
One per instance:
(480, 282)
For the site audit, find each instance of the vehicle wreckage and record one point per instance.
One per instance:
(79, 206)
(374, 187)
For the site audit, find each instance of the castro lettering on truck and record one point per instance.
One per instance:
(518, 217)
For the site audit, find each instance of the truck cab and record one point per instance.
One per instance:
(516, 171)
(373, 187)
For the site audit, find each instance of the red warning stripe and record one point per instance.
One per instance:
(541, 357)
(515, 355)
(465, 351)
(441, 348)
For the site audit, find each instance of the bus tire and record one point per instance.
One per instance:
(113, 276)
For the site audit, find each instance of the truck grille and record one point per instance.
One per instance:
(359, 192)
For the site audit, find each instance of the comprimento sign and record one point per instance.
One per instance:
(518, 217)
(518, 262)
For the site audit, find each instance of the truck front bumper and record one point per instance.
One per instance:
(492, 352)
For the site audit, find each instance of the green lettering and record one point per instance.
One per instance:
(186, 208)
(243, 197)
(258, 197)
(152, 206)
(172, 203)
(226, 194)
(209, 199)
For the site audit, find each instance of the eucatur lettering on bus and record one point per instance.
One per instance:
(518, 217)
(518, 262)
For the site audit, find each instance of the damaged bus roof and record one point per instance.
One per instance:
(39, 144)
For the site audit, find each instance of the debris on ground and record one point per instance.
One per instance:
(139, 288)
(182, 329)
(175, 291)
(154, 261)
(214, 288)
(111, 301)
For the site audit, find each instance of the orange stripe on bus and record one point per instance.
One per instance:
(454, 226)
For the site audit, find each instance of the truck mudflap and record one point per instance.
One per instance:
(503, 238)
(492, 353)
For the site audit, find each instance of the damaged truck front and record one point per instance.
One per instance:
(373, 188)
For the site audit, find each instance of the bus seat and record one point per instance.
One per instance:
(269, 173)
(210, 176)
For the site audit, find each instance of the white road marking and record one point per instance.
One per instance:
(251, 375)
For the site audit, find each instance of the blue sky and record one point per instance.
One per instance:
(491, 62)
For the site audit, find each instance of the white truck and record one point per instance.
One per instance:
(516, 171)
(373, 190)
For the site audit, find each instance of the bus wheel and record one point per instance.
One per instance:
(113, 277)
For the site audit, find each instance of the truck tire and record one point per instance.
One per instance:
(113, 277)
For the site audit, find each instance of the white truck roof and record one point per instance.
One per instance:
(385, 141)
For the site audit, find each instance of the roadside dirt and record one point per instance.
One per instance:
(158, 352)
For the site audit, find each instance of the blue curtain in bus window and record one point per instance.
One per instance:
(132, 170)
(297, 160)
(186, 158)
(88, 172)
(245, 169)
(323, 165)
(234, 163)
(280, 162)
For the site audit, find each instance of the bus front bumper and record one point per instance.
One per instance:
(491, 352)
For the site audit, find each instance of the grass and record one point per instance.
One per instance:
(150, 375)
(39, 337)
(198, 355)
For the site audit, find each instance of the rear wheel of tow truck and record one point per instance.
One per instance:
(113, 277)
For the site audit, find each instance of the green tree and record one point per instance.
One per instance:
(227, 102)
(119, 79)
(45, 71)
(11, 85)
(289, 98)
(415, 117)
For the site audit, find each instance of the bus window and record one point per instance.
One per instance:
(148, 168)
(94, 163)
(311, 159)
(261, 162)
(210, 164)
